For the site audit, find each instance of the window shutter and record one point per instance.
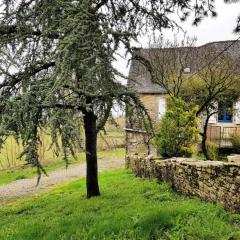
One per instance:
(161, 107)
(214, 118)
(237, 112)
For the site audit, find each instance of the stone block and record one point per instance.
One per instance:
(234, 158)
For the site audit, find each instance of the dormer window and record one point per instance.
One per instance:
(187, 70)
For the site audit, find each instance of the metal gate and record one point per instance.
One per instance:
(222, 135)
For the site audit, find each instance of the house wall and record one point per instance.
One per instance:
(219, 133)
(151, 103)
(136, 140)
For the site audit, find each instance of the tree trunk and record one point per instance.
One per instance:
(204, 137)
(91, 154)
(204, 145)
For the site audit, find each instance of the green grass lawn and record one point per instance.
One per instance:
(8, 176)
(129, 208)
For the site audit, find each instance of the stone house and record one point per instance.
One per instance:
(154, 98)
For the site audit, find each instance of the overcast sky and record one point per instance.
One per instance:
(209, 30)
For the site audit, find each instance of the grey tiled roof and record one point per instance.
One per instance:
(140, 79)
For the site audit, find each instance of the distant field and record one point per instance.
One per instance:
(129, 208)
(9, 155)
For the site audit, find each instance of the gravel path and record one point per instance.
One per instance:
(27, 186)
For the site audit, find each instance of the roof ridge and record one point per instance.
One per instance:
(202, 45)
(221, 41)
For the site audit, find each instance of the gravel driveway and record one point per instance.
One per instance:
(27, 186)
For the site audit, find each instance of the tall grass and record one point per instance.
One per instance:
(9, 156)
(11, 151)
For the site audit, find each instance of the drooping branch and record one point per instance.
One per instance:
(102, 121)
(63, 106)
(100, 4)
(29, 72)
(14, 30)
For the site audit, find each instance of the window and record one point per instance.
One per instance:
(187, 70)
(225, 112)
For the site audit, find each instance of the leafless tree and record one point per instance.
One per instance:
(212, 83)
(167, 63)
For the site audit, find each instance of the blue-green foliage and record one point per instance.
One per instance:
(178, 130)
(129, 208)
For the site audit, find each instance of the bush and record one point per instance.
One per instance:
(235, 140)
(189, 151)
(212, 151)
(178, 130)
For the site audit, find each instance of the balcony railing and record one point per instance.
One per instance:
(222, 135)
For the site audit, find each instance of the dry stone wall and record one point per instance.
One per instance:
(210, 180)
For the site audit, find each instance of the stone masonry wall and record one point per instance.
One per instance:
(135, 140)
(150, 102)
(209, 180)
(135, 144)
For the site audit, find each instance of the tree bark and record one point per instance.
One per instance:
(91, 154)
(204, 135)
(204, 141)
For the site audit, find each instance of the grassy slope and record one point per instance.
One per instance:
(129, 208)
(9, 176)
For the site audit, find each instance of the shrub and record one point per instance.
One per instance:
(178, 130)
(212, 151)
(189, 151)
(235, 140)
